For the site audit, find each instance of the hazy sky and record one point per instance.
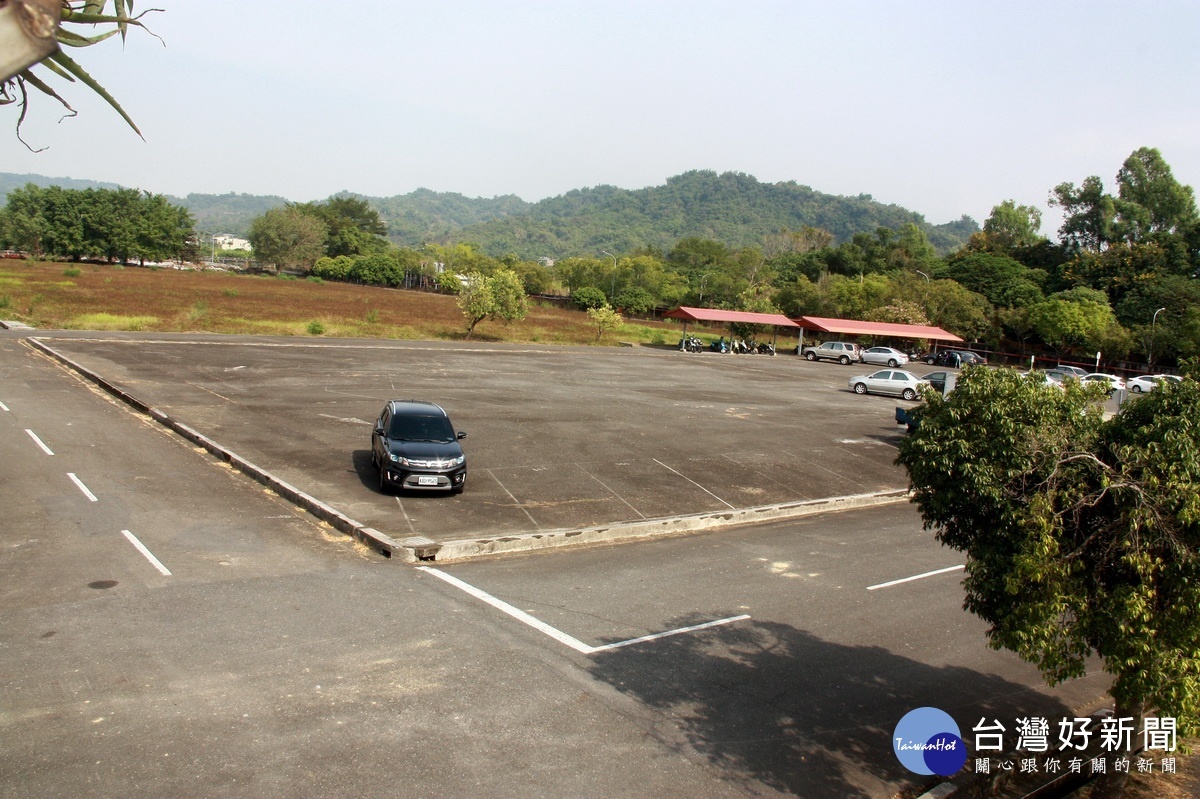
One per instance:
(946, 108)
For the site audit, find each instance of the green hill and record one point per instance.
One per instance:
(731, 207)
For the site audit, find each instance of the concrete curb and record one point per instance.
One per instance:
(422, 549)
(653, 528)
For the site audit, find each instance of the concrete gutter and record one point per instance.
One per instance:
(422, 549)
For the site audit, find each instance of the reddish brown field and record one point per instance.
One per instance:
(94, 297)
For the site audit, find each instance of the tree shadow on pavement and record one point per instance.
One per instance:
(767, 704)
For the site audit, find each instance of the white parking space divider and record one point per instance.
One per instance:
(559, 635)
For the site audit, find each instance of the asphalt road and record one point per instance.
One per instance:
(278, 658)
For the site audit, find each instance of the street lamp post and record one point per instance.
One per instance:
(702, 279)
(1150, 353)
(612, 294)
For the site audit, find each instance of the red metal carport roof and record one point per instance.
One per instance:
(854, 327)
(717, 315)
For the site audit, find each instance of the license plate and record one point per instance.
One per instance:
(427, 480)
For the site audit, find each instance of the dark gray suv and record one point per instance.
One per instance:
(415, 446)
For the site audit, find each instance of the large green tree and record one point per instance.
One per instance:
(1149, 199)
(1077, 319)
(352, 226)
(1009, 227)
(120, 225)
(1082, 535)
(288, 238)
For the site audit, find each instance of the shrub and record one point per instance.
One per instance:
(589, 297)
(635, 301)
(315, 328)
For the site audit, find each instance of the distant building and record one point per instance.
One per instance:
(226, 242)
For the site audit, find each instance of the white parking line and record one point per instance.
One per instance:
(693, 482)
(39, 442)
(609, 490)
(677, 631)
(559, 635)
(516, 501)
(82, 487)
(917, 577)
(133, 539)
(3, 407)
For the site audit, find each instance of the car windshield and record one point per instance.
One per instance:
(421, 428)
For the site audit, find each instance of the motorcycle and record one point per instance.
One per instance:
(690, 344)
(719, 345)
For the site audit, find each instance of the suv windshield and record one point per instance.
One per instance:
(421, 428)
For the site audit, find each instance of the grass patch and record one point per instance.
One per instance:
(107, 321)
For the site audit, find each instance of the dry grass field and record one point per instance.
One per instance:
(102, 297)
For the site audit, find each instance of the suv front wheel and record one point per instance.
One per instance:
(810, 355)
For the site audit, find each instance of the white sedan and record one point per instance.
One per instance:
(1110, 382)
(1144, 383)
(896, 382)
(884, 356)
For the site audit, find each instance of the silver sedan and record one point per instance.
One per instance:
(884, 356)
(896, 382)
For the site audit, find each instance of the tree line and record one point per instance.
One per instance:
(1120, 280)
(113, 225)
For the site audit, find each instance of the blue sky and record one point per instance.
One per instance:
(944, 107)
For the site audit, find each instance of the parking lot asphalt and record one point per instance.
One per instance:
(277, 659)
(560, 439)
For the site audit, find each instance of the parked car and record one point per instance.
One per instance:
(1075, 370)
(1144, 383)
(841, 351)
(414, 445)
(1045, 377)
(1060, 375)
(955, 358)
(1112, 383)
(937, 380)
(896, 382)
(884, 356)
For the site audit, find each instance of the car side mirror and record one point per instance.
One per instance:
(462, 435)
(378, 430)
